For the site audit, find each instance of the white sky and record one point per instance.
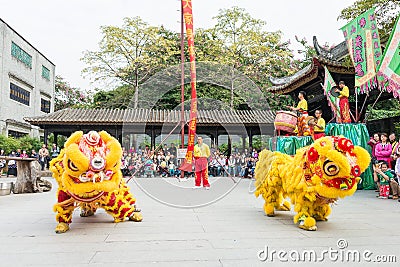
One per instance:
(62, 29)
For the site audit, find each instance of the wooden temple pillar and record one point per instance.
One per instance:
(152, 138)
(46, 136)
(229, 145)
(251, 138)
(243, 142)
(212, 137)
(56, 138)
(216, 138)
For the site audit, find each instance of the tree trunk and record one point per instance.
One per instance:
(27, 174)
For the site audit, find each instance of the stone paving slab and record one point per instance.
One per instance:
(229, 232)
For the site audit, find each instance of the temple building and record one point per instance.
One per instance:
(311, 78)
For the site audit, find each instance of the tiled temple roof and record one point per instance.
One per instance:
(335, 53)
(80, 116)
(290, 83)
(325, 57)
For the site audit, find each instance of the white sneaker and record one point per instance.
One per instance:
(197, 187)
(207, 187)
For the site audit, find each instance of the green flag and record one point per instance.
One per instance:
(389, 70)
(362, 39)
(333, 101)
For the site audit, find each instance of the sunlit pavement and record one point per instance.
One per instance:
(183, 226)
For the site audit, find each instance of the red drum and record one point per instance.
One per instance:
(285, 121)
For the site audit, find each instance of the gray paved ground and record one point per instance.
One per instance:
(229, 232)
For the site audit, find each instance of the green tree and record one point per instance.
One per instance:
(67, 96)
(120, 97)
(386, 13)
(250, 49)
(130, 54)
(26, 142)
(237, 53)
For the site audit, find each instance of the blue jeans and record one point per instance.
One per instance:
(232, 171)
(238, 169)
(219, 169)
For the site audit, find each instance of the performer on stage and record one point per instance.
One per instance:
(302, 128)
(319, 125)
(201, 155)
(302, 106)
(344, 102)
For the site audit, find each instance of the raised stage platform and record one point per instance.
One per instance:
(356, 132)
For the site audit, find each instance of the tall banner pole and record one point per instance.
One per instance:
(188, 19)
(356, 105)
(182, 84)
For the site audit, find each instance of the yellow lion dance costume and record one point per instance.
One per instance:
(315, 177)
(89, 176)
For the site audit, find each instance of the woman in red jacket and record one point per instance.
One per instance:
(383, 150)
(373, 141)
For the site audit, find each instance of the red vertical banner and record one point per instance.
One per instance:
(188, 19)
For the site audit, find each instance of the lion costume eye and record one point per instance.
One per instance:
(72, 166)
(330, 168)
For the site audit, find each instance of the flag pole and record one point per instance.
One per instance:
(356, 118)
(363, 105)
(331, 104)
(182, 86)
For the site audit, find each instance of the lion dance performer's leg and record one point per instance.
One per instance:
(321, 212)
(305, 208)
(269, 184)
(88, 209)
(66, 204)
(121, 205)
(64, 209)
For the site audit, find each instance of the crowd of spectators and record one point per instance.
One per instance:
(150, 163)
(145, 162)
(386, 164)
(9, 167)
(164, 162)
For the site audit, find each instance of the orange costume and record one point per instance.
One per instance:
(302, 127)
(344, 105)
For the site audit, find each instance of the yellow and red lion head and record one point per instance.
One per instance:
(89, 165)
(334, 165)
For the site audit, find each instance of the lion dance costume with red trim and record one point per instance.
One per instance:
(313, 179)
(89, 177)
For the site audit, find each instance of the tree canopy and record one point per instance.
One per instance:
(67, 96)
(130, 54)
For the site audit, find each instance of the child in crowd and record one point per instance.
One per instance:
(383, 175)
(171, 167)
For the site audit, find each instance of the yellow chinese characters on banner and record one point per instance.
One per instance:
(188, 19)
